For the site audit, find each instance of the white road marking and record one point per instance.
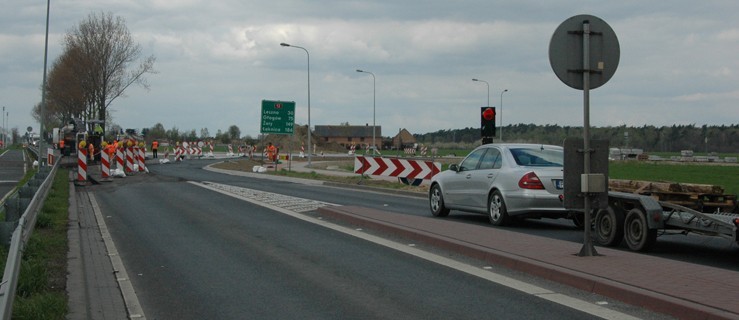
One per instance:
(484, 272)
(129, 295)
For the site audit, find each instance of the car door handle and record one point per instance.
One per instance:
(469, 176)
(491, 175)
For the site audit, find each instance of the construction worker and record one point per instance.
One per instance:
(154, 147)
(91, 150)
(110, 149)
(271, 152)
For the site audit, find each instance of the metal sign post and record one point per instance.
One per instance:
(572, 52)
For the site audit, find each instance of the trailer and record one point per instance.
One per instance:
(701, 197)
(638, 220)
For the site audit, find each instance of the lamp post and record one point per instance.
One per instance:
(309, 133)
(3, 131)
(374, 99)
(43, 89)
(501, 114)
(478, 80)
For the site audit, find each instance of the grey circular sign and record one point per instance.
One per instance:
(566, 51)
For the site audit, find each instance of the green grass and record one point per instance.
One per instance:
(41, 292)
(725, 176)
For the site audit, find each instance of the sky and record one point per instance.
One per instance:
(218, 59)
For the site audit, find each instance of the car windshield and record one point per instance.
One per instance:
(538, 157)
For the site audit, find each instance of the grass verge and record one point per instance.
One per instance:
(41, 292)
(724, 176)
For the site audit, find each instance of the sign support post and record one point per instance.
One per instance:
(598, 64)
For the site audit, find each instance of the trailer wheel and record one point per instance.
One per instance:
(638, 236)
(609, 227)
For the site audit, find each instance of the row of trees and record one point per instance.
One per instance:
(98, 63)
(157, 132)
(724, 139)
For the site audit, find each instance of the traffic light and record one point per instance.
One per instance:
(487, 124)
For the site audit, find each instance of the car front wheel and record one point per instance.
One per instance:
(497, 212)
(436, 202)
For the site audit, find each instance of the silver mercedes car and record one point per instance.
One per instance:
(504, 182)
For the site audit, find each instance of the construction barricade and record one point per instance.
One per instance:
(82, 163)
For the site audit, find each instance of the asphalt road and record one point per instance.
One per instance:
(196, 254)
(704, 250)
(11, 170)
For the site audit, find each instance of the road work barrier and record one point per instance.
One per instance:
(129, 160)
(82, 163)
(119, 158)
(141, 157)
(105, 165)
(395, 167)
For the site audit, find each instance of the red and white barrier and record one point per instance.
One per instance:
(393, 167)
(210, 147)
(119, 158)
(141, 157)
(129, 159)
(105, 165)
(82, 165)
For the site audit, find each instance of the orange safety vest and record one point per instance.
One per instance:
(271, 151)
(154, 145)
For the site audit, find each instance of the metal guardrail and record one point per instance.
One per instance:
(22, 233)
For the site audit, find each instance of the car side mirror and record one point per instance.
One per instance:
(454, 167)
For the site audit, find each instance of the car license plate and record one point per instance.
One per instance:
(559, 184)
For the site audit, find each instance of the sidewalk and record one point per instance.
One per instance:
(92, 286)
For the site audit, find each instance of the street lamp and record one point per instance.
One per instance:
(501, 114)
(374, 96)
(309, 134)
(488, 89)
(43, 89)
(3, 131)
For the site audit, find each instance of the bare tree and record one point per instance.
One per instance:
(65, 98)
(104, 53)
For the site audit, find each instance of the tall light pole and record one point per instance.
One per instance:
(488, 89)
(3, 131)
(309, 133)
(374, 96)
(43, 90)
(501, 114)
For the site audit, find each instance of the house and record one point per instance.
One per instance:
(403, 139)
(346, 135)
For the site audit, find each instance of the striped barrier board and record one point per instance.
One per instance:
(393, 167)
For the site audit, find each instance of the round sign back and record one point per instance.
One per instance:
(566, 51)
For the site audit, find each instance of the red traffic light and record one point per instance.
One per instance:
(488, 114)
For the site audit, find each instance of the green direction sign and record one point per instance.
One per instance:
(278, 117)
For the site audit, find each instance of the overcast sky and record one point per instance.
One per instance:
(217, 59)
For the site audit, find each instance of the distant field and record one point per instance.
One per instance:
(726, 176)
